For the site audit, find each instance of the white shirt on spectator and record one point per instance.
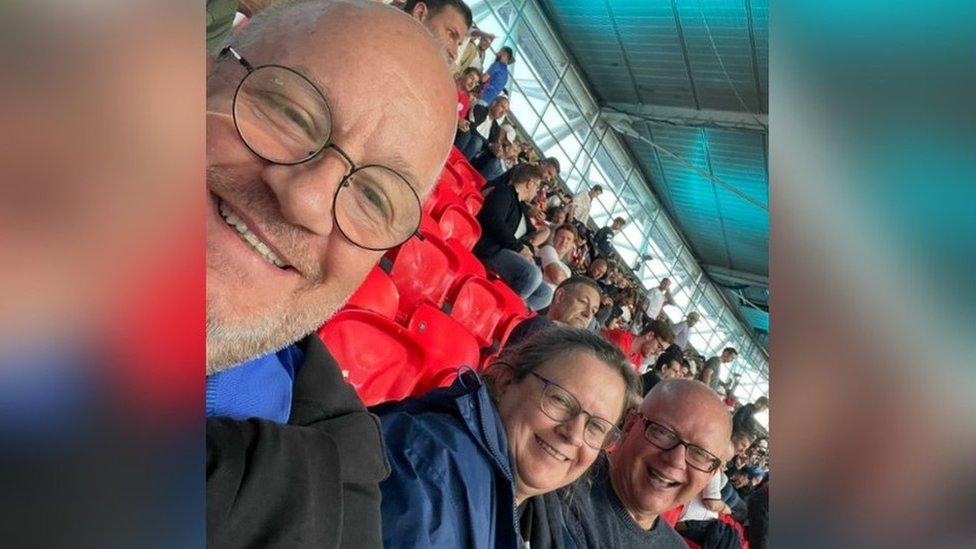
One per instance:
(696, 510)
(549, 256)
(655, 302)
(521, 229)
(581, 201)
(681, 334)
(484, 129)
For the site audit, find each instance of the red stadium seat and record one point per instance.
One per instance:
(423, 270)
(456, 222)
(514, 304)
(467, 263)
(455, 156)
(382, 360)
(478, 305)
(447, 345)
(507, 325)
(466, 172)
(377, 293)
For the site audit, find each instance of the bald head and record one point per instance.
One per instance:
(648, 476)
(695, 400)
(391, 106)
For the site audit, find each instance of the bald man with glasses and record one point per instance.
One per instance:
(670, 447)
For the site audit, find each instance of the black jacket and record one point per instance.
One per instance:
(311, 483)
(499, 218)
(477, 117)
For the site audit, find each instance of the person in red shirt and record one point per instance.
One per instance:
(466, 83)
(636, 347)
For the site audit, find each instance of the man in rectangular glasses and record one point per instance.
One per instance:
(668, 451)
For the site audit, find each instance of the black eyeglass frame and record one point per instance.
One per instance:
(612, 435)
(230, 51)
(716, 462)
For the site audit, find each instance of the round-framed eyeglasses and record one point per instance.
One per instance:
(560, 405)
(283, 118)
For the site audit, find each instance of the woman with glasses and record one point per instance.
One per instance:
(469, 462)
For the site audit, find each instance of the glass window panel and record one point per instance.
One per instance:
(531, 56)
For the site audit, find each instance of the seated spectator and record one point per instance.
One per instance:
(504, 245)
(646, 474)
(496, 158)
(467, 459)
(555, 216)
(581, 202)
(635, 348)
(554, 268)
(711, 374)
(549, 168)
(743, 421)
(574, 303)
(496, 76)
(667, 366)
(316, 434)
(484, 127)
(682, 330)
(447, 20)
(465, 85)
(597, 269)
(604, 237)
(699, 519)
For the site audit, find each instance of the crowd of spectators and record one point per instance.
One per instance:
(569, 437)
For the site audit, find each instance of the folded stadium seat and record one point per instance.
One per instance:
(382, 359)
(439, 198)
(456, 222)
(447, 346)
(467, 263)
(507, 325)
(455, 156)
(377, 293)
(478, 305)
(691, 544)
(472, 200)
(466, 172)
(514, 304)
(422, 270)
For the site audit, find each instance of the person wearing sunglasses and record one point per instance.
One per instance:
(671, 445)
(471, 463)
(316, 163)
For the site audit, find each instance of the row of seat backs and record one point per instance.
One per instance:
(428, 308)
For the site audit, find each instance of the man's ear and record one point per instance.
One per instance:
(420, 12)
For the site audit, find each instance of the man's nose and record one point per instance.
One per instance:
(306, 191)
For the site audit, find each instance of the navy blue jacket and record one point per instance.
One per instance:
(451, 482)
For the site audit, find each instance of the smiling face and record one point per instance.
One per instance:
(469, 81)
(498, 108)
(563, 242)
(549, 455)
(649, 480)
(261, 212)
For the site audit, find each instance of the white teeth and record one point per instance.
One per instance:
(660, 479)
(238, 224)
(550, 450)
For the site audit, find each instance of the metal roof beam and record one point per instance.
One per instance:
(738, 277)
(688, 117)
